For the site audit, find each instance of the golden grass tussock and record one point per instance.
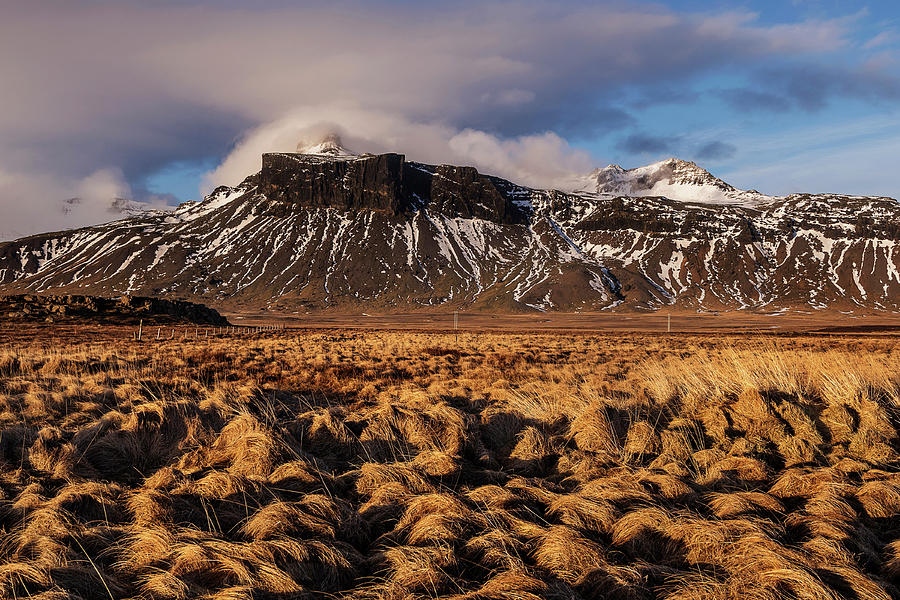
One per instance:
(880, 498)
(498, 548)
(568, 554)
(496, 466)
(508, 585)
(422, 570)
(727, 505)
(583, 513)
(595, 431)
(434, 518)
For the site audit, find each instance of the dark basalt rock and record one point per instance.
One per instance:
(384, 182)
(459, 192)
(123, 310)
(368, 182)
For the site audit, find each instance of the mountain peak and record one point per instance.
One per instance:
(328, 145)
(685, 172)
(672, 178)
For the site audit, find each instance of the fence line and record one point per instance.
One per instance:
(221, 331)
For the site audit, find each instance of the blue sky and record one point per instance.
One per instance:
(160, 101)
(836, 143)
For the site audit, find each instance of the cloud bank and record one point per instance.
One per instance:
(543, 159)
(510, 87)
(32, 203)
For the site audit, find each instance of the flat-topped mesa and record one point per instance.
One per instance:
(349, 183)
(384, 182)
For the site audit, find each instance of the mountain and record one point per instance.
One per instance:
(672, 178)
(326, 229)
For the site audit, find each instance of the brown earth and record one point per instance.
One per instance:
(659, 321)
(261, 324)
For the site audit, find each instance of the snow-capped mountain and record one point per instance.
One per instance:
(672, 178)
(334, 230)
(329, 145)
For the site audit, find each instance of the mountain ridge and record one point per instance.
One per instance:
(340, 231)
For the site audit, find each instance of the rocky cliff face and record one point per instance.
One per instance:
(384, 182)
(380, 232)
(353, 183)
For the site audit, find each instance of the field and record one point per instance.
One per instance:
(429, 464)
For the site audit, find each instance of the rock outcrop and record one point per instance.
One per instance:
(386, 183)
(354, 183)
(124, 310)
(461, 192)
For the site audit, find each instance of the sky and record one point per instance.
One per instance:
(159, 102)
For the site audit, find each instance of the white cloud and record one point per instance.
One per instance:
(541, 160)
(48, 203)
(884, 38)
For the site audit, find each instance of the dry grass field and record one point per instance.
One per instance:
(400, 465)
